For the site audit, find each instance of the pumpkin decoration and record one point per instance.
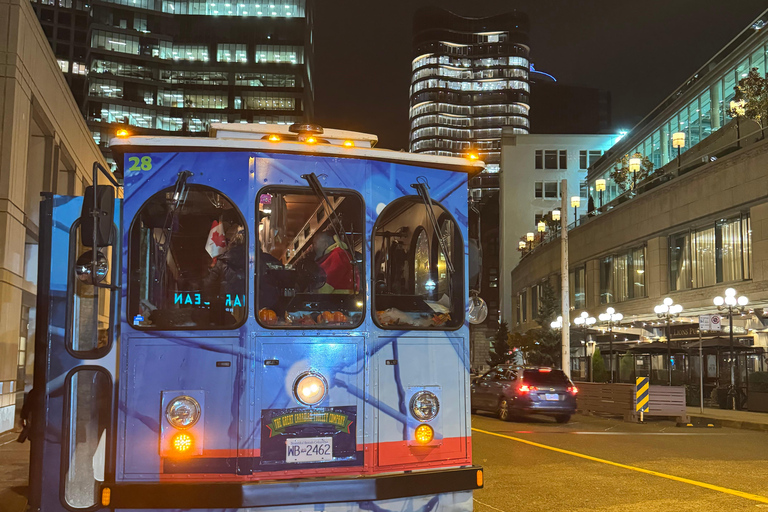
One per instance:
(267, 316)
(339, 317)
(326, 317)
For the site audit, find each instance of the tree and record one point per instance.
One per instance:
(752, 99)
(542, 346)
(599, 373)
(622, 176)
(500, 349)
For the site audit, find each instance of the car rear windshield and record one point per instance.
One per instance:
(548, 378)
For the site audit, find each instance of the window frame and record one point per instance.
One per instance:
(363, 266)
(131, 255)
(458, 263)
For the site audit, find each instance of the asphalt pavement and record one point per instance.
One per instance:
(600, 464)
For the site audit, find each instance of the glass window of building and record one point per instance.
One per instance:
(578, 287)
(550, 189)
(523, 302)
(280, 53)
(550, 159)
(622, 276)
(414, 286)
(179, 280)
(264, 101)
(538, 189)
(309, 259)
(105, 88)
(539, 159)
(718, 253)
(115, 42)
(231, 53)
(563, 159)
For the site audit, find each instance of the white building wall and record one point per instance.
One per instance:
(518, 204)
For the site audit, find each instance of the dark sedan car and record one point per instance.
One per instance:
(510, 391)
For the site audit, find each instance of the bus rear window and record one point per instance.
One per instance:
(188, 262)
(309, 259)
(418, 281)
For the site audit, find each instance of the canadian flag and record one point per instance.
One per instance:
(216, 243)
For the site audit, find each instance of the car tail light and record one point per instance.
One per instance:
(573, 390)
(524, 388)
(545, 370)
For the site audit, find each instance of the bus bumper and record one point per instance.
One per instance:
(197, 495)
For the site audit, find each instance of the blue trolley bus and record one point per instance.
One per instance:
(267, 317)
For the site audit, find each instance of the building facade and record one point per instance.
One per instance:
(175, 66)
(532, 168)
(470, 77)
(45, 146)
(694, 226)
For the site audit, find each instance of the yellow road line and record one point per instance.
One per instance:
(733, 492)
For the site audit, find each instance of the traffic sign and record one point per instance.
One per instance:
(642, 397)
(710, 323)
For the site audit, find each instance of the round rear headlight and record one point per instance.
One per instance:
(309, 388)
(183, 412)
(424, 405)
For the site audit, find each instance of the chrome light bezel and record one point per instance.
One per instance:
(305, 375)
(196, 412)
(419, 411)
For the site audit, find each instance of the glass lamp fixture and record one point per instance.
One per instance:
(521, 244)
(555, 215)
(600, 185)
(634, 163)
(529, 237)
(541, 226)
(678, 140)
(575, 201)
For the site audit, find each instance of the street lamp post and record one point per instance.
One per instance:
(611, 317)
(737, 107)
(668, 311)
(590, 353)
(529, 238)
(575, 203)
(541, 227)
(585, 321)
(600, 187)
(522, 245)
(634, 168)
(678, 141)
(731, 304)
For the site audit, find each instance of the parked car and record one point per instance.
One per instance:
(510, 391)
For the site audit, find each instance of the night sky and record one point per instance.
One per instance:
(639, 50)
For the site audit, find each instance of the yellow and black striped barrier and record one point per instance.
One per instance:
(642, 397)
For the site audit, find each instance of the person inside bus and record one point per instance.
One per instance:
(225, 282)
(332, 258)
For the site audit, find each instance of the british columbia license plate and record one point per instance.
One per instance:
(309, 449)
(552, 396)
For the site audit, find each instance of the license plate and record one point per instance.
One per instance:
(309, 449)
(552, 396)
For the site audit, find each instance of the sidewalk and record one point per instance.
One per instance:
(733, 419)
(14, 472)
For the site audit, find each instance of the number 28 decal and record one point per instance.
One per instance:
(143, 163)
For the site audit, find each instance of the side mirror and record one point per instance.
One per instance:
(105, 211)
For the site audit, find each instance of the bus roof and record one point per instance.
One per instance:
(255, 137)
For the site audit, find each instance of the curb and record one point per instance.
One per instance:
(744, 425)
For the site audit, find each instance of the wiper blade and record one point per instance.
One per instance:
(423, 191)
(178, 199)
(334, 220)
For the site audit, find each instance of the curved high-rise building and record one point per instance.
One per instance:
(469, 78)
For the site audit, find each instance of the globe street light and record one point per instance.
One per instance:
(668, 311)
(731, 304)
(610, 317)
(586, 321)
(600, 187)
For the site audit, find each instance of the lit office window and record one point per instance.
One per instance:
(257, 8)
(264, 101)
(280, 54)
(231, 53)
(64, 65)
(113, 41)
(105, 88)
(622, 276)
(78, 68)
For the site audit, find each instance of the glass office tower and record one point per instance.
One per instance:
(175, 66)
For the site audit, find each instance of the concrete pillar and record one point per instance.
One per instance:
(657, 268)
(759, 220)
(715, 96)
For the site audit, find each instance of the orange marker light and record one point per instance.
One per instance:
(311, 140)
(122, 132)
(274, 138)
(473, 156)
(479, 477)
(424, 434)
(349, 144)
(106, 496)
(182, 442)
